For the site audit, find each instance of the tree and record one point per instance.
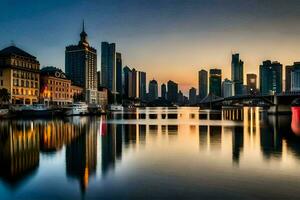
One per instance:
(4, 96)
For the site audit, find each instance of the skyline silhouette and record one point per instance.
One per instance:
(161, 35)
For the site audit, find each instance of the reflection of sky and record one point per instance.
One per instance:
(161, 35)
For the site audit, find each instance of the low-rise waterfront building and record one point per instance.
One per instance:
(19, 74)
(55, 87)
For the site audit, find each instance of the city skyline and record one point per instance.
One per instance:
(45, 33)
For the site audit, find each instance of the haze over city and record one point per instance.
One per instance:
(162, 37)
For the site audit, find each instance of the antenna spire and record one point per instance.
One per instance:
(82, 25)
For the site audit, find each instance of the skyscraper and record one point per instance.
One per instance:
(127, 82)
(288, 70)
(153, 90)
(237, 74)
(108, 65)
(81, 66)
(135, 92)
(295, 78)
(119, 81)
(163, 91)
(215, 79)
(270, 74)
(227, 88)
(251, 83)
(142, 86)
(172, 91)
(202, 83)
(193, 96)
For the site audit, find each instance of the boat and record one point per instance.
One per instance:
(36, 110)
(79, 108)
(4, 113)
(115, 107)
(95, 109)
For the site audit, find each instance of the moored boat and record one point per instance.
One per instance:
(36, 110)
(4, 113)
(115, 107)
(79, 108)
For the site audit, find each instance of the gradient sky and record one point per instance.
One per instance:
(169, 39)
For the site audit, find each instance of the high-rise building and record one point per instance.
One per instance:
(202, 83)
(108, 65)
(19, 74)
(215, 79)
(288, 70)
(127, 82)
(142, 86)
(270, 74)
(237, 74)
(153, 90)
(251, 83)
(193, 96)
(227, 88)
(295, 78)
(135, 91)
(172, 91)
(180, 98)
(163, 91)
(288, 75)
(81, 66)
(119, 81)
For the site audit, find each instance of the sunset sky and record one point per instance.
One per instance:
(169, 39)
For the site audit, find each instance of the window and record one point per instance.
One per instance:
(1, 73)
(1, 82)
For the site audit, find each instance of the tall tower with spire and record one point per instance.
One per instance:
(83, 37)
(81, 66)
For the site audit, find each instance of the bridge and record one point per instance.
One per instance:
(277, 103)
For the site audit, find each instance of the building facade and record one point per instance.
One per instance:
(81, 66)
(127, 82)
(119, 81)
(135, 82)
(142, 86)
(227, 88)
(193, 96)
(202, 84)
(108, 65)
(288, 70)
(153, 90)
(251, 83)
(55, 88)
(270, 74)
(295, 78)
(163, 90)
(19, 74)
(237, 74)
(215, 79)
(172, 93)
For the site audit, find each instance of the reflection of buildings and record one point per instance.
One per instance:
(237, 142)
(56, 133)
(81, 155)
(210, 137)
(270, 139)
(19, 150)
(111, 145)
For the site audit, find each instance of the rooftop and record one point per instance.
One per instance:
(13, 50)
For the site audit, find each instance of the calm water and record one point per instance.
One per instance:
(153, 153)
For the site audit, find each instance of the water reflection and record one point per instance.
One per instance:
(97, 145)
